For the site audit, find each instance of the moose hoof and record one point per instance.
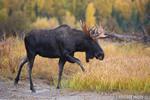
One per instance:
(83, 70)
(57, 87)
(32, 89)
(15, 82)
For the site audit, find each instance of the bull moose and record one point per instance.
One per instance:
(62, 42)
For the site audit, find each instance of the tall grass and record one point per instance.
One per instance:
(126, 67)
(115, 73)
(12, 50)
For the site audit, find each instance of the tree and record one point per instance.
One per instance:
(138, 20)
(3, 15)
(140, 6)
(124, 8)
(59, 10)
(133, 15)
(77, 8)
(48, 8)
(69, 20)
(113, 13)
(45, 23)
(29, 9)
(90, 11)
(103, 9)
(147, 10)
(123, 23)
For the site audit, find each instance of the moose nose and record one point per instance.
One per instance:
(100, 56)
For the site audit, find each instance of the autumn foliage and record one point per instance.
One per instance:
(31, 14)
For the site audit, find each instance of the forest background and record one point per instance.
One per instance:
(20, 16)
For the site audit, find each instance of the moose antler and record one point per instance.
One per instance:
(87, 31)
(101, 31)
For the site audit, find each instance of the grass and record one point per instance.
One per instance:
(115, 73)
(126, 67)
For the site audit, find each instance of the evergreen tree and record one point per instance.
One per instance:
(36, 9)
(10, 12)
(123, 23)
(113, 13)
(118, 19)
(147, 13)
(147, 10)
(133, 15)
(138, 20)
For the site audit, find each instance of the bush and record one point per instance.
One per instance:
(45, 23)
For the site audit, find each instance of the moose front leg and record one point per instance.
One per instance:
(61, 66)
(75, 60)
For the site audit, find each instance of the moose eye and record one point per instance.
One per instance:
(94, 42)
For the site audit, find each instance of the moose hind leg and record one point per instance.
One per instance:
(23, 61)
(29, 68)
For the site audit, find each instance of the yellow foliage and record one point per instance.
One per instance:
(40, 4)
(3, 14)
(69, 20)
(90, 18)
(45, 23)
(53, 22)
(29, 7)
(48, 7)
(140, 5)
(123, 7)
(104, 8)
(58, 8)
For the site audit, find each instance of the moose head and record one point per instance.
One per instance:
(94, 35)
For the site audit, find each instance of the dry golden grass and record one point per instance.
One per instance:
(126, 67)
(115, 73)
